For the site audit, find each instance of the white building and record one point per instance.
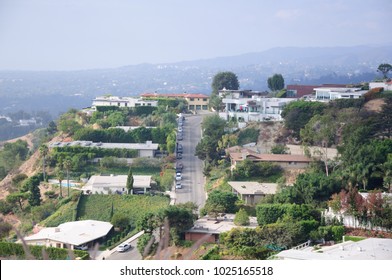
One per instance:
(384, 85)
(147, 149)
(368, 249)
(116, 184)
(251, 106)
(125, 102)
(70, 234)
(327, 94)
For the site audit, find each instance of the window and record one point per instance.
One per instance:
(191, 99)
(205, 107)
(204, 99)
(198, 107)
(118, 104)
(191, 107)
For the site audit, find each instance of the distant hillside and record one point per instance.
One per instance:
(57, 91)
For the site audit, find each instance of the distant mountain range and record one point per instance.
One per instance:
(57, 91)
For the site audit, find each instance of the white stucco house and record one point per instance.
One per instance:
(71, 234)
(384, 85)
(125, 102)
(107, 184)
(332, 93)
(247, 105)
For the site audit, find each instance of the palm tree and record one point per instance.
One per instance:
(43, 150)
(60, 177)
(67, 165)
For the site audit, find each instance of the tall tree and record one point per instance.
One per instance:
(276, 82)
(320, 131)
(43, 150)
(60, 177)
(130, 180)
(227, 80)
(384, 68)
(67, 166)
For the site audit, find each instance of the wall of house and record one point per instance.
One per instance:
(197, 103)
(146, 153)
(292, 165)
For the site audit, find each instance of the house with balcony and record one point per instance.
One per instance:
(247, 105)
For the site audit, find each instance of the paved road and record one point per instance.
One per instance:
(192, 174)
(132, 254)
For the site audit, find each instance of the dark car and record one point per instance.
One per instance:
(179, 156)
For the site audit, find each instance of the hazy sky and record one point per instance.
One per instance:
(85, 34)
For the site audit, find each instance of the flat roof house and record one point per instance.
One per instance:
(251, 105)
(125, 102)
(367, 249)
(147, 149)
(208, 229)
(71, 234)
(116, 184)
(252, 192)
(327, 94)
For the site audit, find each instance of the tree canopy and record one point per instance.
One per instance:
(276, 82)
(384, 68)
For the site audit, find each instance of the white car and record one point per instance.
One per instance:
(123, 247)
(178, 185)
(178, 176)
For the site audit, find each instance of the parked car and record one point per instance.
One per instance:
(123, 247)
(82, 247)
(178, 176)
(179, 156)
(179, 166)
(178, 185)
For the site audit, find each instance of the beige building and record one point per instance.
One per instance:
(252, 192)
(208, 229)
(195, 101)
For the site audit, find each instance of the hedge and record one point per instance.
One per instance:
(15, 250)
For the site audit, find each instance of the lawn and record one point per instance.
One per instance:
(99, 206)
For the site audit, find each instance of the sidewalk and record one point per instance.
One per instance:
(100, 255)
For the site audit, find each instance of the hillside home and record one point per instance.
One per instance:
(125, 102)
(298, 91)
(327, 94)
(208, 229)
(71, 234)
(384, 85)
(252, 192)
(238, 154)
(195, 101)
(367, 249)
(147, 149)
(110, 184)
(247, 105)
